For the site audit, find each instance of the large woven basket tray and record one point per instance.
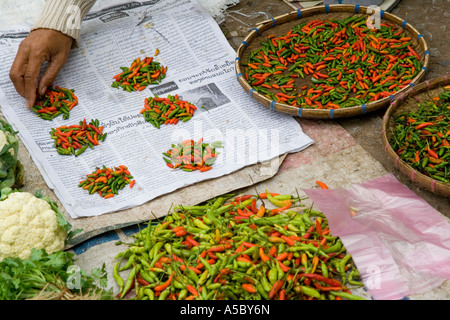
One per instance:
(281, 24)
(406, 102)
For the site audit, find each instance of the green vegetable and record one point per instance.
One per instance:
(11, 169)
(53, 276)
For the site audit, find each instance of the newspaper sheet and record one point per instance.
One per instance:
(200, 70)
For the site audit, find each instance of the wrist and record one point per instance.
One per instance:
(51, 35)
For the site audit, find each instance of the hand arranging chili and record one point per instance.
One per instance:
(56, 100)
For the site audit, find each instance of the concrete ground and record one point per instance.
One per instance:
(429, 17)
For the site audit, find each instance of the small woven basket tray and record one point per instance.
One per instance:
(405, 102)
(281, 24)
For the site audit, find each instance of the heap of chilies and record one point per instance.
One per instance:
(75, 139)
(140, 74)
(347, 64)
(55, 101)
(107, 182)
(189, 155)
(252, 247)
(168, 110)
(422, 138)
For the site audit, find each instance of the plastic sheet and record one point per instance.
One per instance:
(400, 244)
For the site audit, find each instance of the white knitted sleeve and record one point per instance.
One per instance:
(64, 16)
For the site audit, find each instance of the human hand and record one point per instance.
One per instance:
(41, 45)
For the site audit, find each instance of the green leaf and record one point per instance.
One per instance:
(5, 149)
(4, 192)
(11, 170)
(6, 127)
(37, 255)
(9, 180)
(59, 260)
(7, 160)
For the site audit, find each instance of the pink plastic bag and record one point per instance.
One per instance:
(400, 244)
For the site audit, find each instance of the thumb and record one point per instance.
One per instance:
(50, 75)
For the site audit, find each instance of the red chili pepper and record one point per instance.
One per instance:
(192, 241)
(142, 281)
(249, 287)
(308, 233)
(243, 198)
(318, 227)
(272, 251)
(220, 248)
(262, 255)
(282, 256)
(275, 288)
(259, 82)
(253, 207)
(324, 288)
(288, 240)
(283, 267)
(264, 196)
(315, 276)
(424, 124)
(321, 184)
(433, 154)
(192, 290)
(163, 286)
(248, 244)
(281, 209)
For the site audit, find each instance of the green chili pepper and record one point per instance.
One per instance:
(308, 291)
(346, 295)
(130, 280)
(129, 263)
(183, 294)
(149, 293)
(163, 295)
(117, 277)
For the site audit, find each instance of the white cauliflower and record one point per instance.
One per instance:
(26, 222)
